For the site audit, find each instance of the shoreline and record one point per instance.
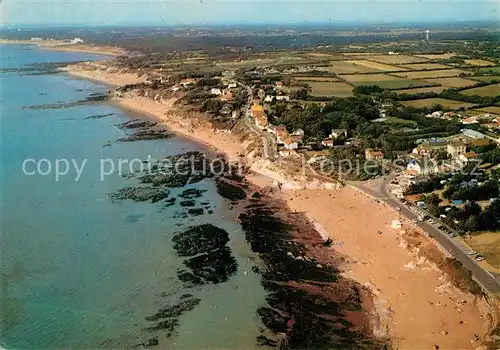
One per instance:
(392, 273)
(57, 45)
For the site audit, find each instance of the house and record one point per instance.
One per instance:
(235, 114)
(225, 110)
(470, 120)
(290, 144)
(261, 121)
(455, 148)
(336, 133)
(423, 166)
(232, 85)
(492, 125)
(188, 81)
(176, 87)
(281, 133)
(36, 39)
(297, 138)
(227, 97)
(283, 98)
(215, 91)
(269, 98)
(327, 142)
(76, 41)
(278, 86)
(473, 134)
(286, 153)
(372, 154)
(467, 157)
(299, 132)
(257, 111)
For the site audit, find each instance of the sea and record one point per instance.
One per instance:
(79, 270)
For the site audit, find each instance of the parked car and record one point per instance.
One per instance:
(472, 252)
(398, 208)
(479, 257)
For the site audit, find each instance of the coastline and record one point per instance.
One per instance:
(57, 45)
(404, 284)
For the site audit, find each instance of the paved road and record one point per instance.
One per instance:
(268, 141)
(379, 190)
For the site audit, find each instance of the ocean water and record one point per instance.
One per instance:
(78, 270)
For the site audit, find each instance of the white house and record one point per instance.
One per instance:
(336, 133)
(473, 134)
(327, 142)
(283, 98)
(215, 91)
(76, 41)
(423, 166)
(290, 144)
(269, 98)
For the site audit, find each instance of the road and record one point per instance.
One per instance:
(379, 189)
(268, 141)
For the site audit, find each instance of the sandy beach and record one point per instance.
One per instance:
(58, 45)
(417, 307)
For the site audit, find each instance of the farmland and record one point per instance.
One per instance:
(315, 78)
(444, 56)
(431, 74)
(329, 89)
(487, 91)
(383, 80)
(395, 59)
(486, 78)
(481, 63)
(490, 70)
(436, 89)
(349, 67)
(377, 66)
(488, 244)
(425, 66)
(491, 109)
(453, 82)
(429, 102)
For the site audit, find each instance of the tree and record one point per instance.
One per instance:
(472, 224)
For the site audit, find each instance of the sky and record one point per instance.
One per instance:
(179, 12)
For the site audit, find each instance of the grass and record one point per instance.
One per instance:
(453, 82)
(348, 67)
(491, 109)
(436, 89)
(431, 74)
(443, 56)
(485, 91)
(428, 102)
(490, 70)
(316, 79)
(424, 66)
(384, 81)
(378, 66)
(486, 78)
(395, 120)
(395, 59)
(488, 245)
(481, 63)
(329, 89)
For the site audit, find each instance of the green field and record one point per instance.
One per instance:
(485, 91)
(385, 81)
(429, 102)
(486, 78)
(490, 70)
(330, 89)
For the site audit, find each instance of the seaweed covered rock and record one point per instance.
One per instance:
(211, 260)
(200, 239)
(140, 194)
(230, 191)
